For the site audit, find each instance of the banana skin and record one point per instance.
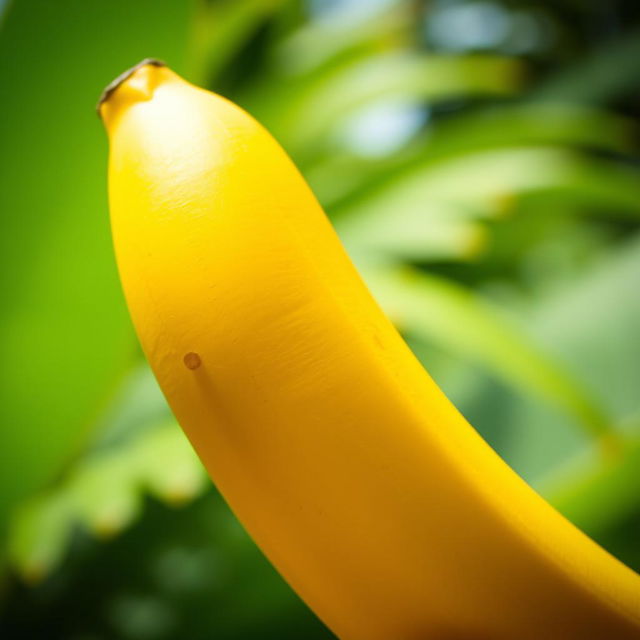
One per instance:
(364, 486)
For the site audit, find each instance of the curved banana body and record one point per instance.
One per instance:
(365, 487)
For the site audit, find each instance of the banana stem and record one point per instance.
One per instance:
(114, 84)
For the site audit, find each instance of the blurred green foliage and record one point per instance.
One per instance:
(479, 159)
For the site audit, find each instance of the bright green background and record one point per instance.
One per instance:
(479, 160)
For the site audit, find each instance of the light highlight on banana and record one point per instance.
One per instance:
(355, 475)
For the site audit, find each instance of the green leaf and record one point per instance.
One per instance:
(320, 44)
(137, 406)
(598, 496)
(412, 230)
(589, 322)
(530, 124)
(608, 73)
(137, 450)
(453, 317)
(39, 535)
(478, 185)
(342, 179)
(172, 473)
(592, 324)
(66, 337)
(304, 111)
(611, 187)
(476, 181)
(104, 494)
(429, 212)
(220, 30)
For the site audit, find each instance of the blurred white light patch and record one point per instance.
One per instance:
(382, 128)
(459, 27)
(340, 10)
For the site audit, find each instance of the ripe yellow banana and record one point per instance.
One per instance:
(375, 499)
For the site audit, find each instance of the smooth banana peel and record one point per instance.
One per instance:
(361, 482)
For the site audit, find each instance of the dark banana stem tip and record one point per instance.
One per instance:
(114, 84)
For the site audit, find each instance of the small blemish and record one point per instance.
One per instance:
(192, 360)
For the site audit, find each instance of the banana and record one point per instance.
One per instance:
(359, 480)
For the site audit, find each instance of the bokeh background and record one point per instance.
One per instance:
(479, 158)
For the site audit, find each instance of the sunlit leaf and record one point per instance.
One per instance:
(104, 494)
(414, 213)
(421, 230)
(597, 496)
(39, 535)
(318, 43)
(306, 111)
(339, 175)
(453, 317)
(590, 323)
(172, 472)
